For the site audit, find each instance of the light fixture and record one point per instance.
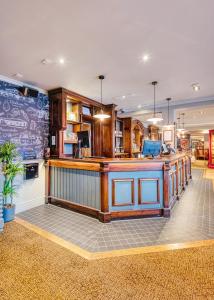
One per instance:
(61, 61)
(145, 57)
(123, 97)
(195, 87)
(101, 115)
(155, 119)
(46, 61)
(179, 125)
(183, 129)
(18, 75)
(139, 106)
(168, 125)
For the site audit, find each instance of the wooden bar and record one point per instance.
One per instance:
(109, 188)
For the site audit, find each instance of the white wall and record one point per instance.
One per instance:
(30, 193)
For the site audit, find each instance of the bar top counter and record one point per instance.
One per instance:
(111, 164)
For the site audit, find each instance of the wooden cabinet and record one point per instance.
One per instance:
(71, 113)
(211, 149)
(153, 132)
(137, 137)
(119, 139)
(133, 136)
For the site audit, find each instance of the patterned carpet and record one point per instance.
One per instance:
(32, 267)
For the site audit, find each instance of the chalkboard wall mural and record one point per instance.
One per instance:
(24, 121)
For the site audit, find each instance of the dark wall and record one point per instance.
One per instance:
(24, 120)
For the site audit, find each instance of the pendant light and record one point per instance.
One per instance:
(101, 115)
(168, 125)
(183, 129)
(179, 126)
(154, 119)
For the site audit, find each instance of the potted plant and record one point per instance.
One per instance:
(10, 169)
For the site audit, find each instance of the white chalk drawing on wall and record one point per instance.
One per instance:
(23, 120)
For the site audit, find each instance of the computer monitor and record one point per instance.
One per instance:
(83, 138)
(151, 148)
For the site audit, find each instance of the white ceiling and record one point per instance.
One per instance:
(199, 118)
(109, 37)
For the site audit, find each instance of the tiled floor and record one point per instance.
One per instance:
(192, 219)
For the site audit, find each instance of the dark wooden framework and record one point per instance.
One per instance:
(102, 131)
(104, 166)
(130, 125)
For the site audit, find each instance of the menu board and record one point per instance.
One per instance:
(24, 121)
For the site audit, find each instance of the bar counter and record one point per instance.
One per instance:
(110, 188)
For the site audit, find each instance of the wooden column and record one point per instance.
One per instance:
(104, 215)
(166, 197)
(47, 182)
(177, 175)
(186, 170)
(190, 167)
(183, 174)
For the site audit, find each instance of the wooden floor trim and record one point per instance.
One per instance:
(114, 253)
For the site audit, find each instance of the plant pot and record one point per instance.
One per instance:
(8, 213)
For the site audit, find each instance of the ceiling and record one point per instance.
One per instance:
(109, 37)
(199, 119)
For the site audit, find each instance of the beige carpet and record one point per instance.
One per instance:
(32, 267)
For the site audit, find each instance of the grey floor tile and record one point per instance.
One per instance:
(192, 219)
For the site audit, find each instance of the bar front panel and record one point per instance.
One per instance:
(76, 186)
(135, 190)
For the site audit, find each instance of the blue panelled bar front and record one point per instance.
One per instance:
(118, 188)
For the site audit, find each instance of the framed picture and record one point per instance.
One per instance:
(168, 136)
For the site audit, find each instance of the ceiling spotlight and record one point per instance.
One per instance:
(195, 87)
(46, 61)
(145, 57)
(18, 75)
(61, 61)
(139, 106)
(124, 97)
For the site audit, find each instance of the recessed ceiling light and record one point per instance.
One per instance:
(195, 87)
(18, 75)
(61, 61)
(145, 57)
(123, 97)
(139, 106)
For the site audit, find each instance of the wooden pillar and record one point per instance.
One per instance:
(166, 196)
(190, 167)
(183, 174)
(186, 170)
(47, 182)
(177, 176)
(104, 215)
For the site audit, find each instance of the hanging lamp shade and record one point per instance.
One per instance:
(101, 115)
(155, 118)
